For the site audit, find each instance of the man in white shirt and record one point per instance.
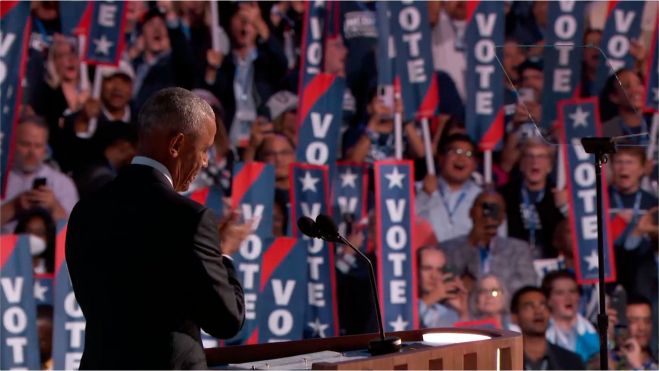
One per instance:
(31, 183)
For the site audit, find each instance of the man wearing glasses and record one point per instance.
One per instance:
(445, 200)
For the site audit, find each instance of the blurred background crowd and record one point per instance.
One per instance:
(486, 237)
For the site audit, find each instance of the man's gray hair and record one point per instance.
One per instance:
(173, 110)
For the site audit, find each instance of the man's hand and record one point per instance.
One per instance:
(459, 300)
(233, 233)
(43, 197)
(632, 351)
(214, 58)
(560, 197)
(430, 184)
(647, 225)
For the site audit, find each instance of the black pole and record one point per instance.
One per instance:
(602, 318)
(600, 147)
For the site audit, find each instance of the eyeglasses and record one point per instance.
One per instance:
(460, 152)
(491, 292)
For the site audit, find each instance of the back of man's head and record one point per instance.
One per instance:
(171, 111)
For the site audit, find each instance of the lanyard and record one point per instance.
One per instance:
(644, 129)
(485, 258)
(531, 213)
(637, 203)
(450, 211)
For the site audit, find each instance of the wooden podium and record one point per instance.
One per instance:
(502, 351)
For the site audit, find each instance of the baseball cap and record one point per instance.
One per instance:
(281, 102)
(122, 69)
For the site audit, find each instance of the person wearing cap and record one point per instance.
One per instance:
(113, 107)
(283, 112)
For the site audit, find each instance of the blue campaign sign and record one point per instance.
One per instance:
(652, 74)
(385, 52)
(20, 345)
(253, 197)
(623, 24)
(414, 68)
(320, 106)
(350, 195)
(580, 118)
(43, 289)
(68, 322)
(562, 55)
(74, 16)
(394, 209)
(14, 36)
(211, 197)
(105, 41)
(310, 197)
(283, 295)
(484, 105)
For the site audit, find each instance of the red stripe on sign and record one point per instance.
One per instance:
(6, 7)
(200, 196)
(60, 249)
(243, 181)
(316, 88)
(7, 246)
(612, 5)
(648, 68)
(85, 20)
(253, 338)
(430, 101)
(471, 9)
(277, 252)
(494, 133)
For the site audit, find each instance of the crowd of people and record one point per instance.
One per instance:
(487, 237)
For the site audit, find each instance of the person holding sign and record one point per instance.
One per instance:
(147, 265)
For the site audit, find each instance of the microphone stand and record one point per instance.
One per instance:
(383, 345)
(600, 147)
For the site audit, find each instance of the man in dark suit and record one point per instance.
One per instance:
(147, 264)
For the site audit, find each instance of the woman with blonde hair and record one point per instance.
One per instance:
(61, 92)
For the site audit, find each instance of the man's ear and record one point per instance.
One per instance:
(175, 145)
(613, 97)
(513, 319)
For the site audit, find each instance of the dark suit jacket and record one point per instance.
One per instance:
(147, 272)
(558, 358)
(549, 214)
(269, 68)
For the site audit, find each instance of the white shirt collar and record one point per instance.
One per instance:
(124, 118)
(147, 161)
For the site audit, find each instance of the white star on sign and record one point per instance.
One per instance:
(348, 179)
(591, 260)
(40, 291)
(318, 328)
(103, 45)
(579, 117)
(395, 178)
(309, 182)
(399, 324)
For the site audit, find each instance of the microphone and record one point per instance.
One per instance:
(325, 229)
(308, 227)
